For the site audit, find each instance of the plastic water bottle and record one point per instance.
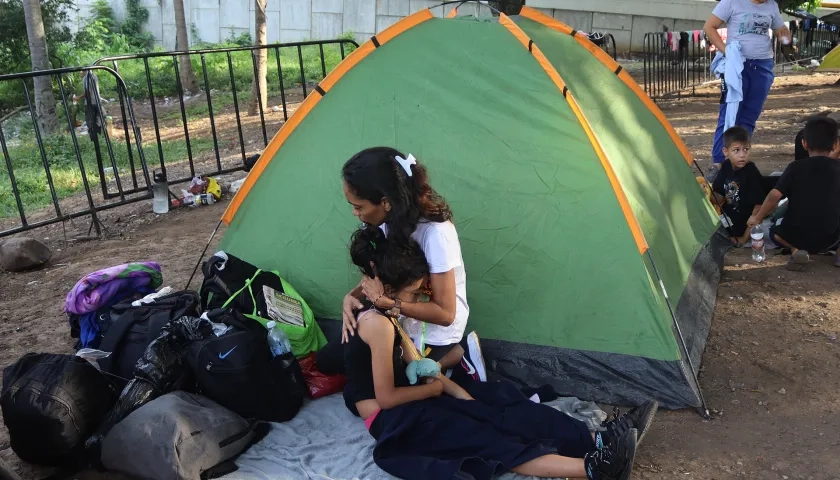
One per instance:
(278, 341)
(757, 236)
(160, 190)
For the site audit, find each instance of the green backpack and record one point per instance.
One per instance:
(261, 295)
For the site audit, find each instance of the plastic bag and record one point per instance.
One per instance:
(319, 384)
(157, 372)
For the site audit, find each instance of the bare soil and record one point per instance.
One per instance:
(770, 369)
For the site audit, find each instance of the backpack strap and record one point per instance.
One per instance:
(250, 291)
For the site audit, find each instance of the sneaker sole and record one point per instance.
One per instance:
(475, 354)
(648, 415)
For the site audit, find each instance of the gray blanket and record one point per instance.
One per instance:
(326, 442)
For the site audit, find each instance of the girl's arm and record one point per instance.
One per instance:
(450, 388)
(378, 333)
(710, 29)
(439, 311)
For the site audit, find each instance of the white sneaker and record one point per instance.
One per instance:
(476, 359)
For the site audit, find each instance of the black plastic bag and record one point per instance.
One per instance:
(157, 373)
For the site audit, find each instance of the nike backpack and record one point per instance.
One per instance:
(238, 371)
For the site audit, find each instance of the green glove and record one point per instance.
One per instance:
(424, 367)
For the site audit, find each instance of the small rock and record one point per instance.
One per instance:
(736, 402)
(20, 254)
(760, 403)
(800, 298)
(782, 391)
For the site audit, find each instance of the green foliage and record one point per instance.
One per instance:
(104, 34)
(162, 71)
(136, 17)
(792, 5)
(14, 47)
(243, 39)
(31, 179)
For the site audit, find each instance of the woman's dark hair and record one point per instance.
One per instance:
(396, 264)
(374, 174)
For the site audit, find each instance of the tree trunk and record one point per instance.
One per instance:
(44, 98)
(261, 95)
(188, 81)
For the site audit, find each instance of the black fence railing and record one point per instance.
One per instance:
(291, 70)
(39, 166)
(676, 62)
(146, 120)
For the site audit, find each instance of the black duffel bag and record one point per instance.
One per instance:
(238, 371)
(132, 329)
(51, 403)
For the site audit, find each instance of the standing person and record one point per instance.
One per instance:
(748, 22)
(390, 190)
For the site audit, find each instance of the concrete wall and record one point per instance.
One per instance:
(296, 20)
(287, 20)
(628, 20)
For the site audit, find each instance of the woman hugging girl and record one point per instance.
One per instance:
(436, 429)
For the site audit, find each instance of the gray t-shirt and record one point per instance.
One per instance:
(750, 23)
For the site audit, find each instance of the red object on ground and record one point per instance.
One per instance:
(320, 385)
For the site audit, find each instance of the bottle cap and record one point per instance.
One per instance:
(271, 324)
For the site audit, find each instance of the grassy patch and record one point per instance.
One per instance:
(218, 71)
(31, 178)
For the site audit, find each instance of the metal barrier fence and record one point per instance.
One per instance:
(189, 136)
(31, 175)
(165, 68)
(678, 61)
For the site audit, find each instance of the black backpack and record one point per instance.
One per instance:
(51, 403)
(132, 329)
(238, 371)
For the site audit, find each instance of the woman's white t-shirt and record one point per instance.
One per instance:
(439, 242)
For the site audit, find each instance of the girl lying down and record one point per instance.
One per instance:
(438, 430)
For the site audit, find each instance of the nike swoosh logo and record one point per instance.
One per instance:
(223, 356)
(470, 370)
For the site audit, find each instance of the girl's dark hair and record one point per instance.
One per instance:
(396, 264)
(374, 174)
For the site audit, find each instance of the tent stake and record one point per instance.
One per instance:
(212, 235)
(705, 409)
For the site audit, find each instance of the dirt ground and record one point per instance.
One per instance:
(769, 371)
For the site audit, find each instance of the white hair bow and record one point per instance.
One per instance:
(406, 163)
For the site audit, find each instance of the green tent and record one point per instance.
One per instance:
(587, 241)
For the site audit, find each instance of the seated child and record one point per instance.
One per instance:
(812, 186)
(436, 429)
(738, 186)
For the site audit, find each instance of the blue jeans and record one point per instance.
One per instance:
(757, 79)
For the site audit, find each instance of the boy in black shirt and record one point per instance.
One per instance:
(812, 185)
(738, 186)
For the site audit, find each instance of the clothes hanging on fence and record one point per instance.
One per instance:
(729, 69)
(696, 34)
(93, 106)
(674, 40)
